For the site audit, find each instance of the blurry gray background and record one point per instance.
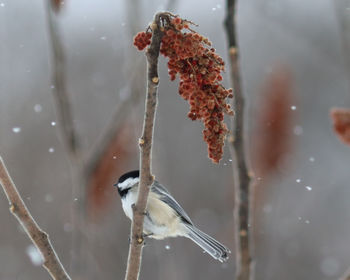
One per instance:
(300, 234)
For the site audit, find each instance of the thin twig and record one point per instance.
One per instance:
(244, 267)
(63, 106)
(146, 177)
(39, 237)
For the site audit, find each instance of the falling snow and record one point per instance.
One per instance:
(298, 130)
(218, 6)
(16, 129)
(38, 108)
(34, 255)
(48, 198)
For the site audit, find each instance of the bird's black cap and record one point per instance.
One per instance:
(130, 174)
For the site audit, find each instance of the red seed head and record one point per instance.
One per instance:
(198, 67)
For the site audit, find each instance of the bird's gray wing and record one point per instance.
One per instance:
(159, 188)
(166, 197)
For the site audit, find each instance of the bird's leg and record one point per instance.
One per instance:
(147, 234)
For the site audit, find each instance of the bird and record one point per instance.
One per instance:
(164, 217)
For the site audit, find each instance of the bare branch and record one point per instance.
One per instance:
(63, 107)
(146, 177)
(244, 267)
(39, 237)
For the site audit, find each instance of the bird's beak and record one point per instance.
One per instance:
(116, 185)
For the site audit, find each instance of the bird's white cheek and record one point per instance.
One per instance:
(127, 201)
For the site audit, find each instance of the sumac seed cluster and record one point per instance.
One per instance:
(199, 68)
(142, 39)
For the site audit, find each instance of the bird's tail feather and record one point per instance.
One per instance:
(208, 244)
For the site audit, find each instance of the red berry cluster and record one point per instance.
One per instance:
(199, 67)
(142, 39)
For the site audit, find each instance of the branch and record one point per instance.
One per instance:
(346, 275)
(146, 177)
(244, 267)
(39, 238)
(63, 106)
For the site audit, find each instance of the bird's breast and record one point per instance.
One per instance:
(161, 220)
(127, 201)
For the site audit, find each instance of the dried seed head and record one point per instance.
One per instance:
(198, 67)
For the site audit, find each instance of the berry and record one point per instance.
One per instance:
(142, 40)
(198, 67)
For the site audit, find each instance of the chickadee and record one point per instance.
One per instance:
(164, 216)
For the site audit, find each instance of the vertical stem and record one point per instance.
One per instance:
(146, 177)
(242, 210)
(69, 137)
(63, 106)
